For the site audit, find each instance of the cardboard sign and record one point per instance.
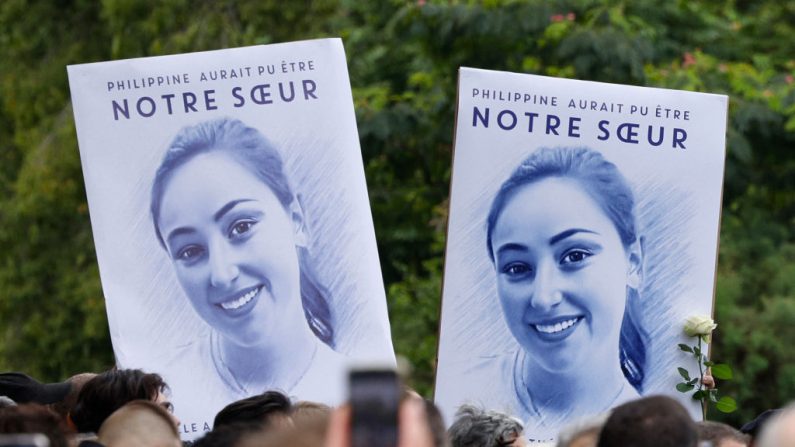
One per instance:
(231, 220)
(583, 231)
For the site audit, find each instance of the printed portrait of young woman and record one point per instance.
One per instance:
(225, 215)
(564, 276)
(234, 237)
(567, 264)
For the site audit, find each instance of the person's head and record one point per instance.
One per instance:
(584, 433)
(779, 430)
(140, 423)
(230, 435)
(110, 390)
(235, 232)
(271, 408)
(476, 427)
(721, 435)
(286, 437)
(754, 427)
(76, 382)
(311, 415)
(562, 237)
(655, 421)
(34, 418)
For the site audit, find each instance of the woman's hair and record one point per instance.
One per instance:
(248, 147)
(608, 188)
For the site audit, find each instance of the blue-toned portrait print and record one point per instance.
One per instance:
(233, 230)
(573, 254)
(568, 263)
(234, 239)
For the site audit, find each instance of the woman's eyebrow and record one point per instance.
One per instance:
(177, 232)
(513, 246)
(226, 208)
(568, 233)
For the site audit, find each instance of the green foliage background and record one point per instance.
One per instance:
(403, 59)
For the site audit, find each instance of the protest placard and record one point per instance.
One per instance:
(231, 222)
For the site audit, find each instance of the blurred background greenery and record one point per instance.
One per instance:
(403, 59)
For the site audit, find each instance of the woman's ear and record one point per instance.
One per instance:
(635, 254)
(299, 222)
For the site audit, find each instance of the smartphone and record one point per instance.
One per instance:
(375, 397)
(24, 440)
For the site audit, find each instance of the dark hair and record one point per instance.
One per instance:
(655, 421)
(34, 418)
(608, 188)
(248, 147)
(476, 427)
(109, 391)
(259, 410)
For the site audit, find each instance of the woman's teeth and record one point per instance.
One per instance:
(557, 327)
(234, 304)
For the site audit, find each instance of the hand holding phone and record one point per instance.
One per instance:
(374, 397)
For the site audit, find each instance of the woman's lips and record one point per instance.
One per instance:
(557, 329)
(238, 301)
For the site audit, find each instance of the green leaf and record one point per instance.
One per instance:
(722, 371)
(726, 405)
(699, 395)
(709, 364)
(693, 381)
(685, 347)
(713, 396)
(685, 375)
(684, 387)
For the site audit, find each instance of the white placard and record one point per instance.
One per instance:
(249, 263)
(583, 231)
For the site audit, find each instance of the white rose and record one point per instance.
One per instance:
(700, 326)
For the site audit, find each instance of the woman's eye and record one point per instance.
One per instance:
(189, 253)
(516, 269)
(574, 256)
(241, 227)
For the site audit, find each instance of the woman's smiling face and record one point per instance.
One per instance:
(562, 274)
(233, 247)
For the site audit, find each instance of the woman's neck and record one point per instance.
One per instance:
(279, 364)
(559, 395)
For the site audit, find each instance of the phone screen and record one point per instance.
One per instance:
(375, 396)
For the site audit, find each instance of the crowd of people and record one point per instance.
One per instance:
(128, 407)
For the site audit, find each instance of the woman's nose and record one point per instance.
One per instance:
(546, 288)
(223, 269)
